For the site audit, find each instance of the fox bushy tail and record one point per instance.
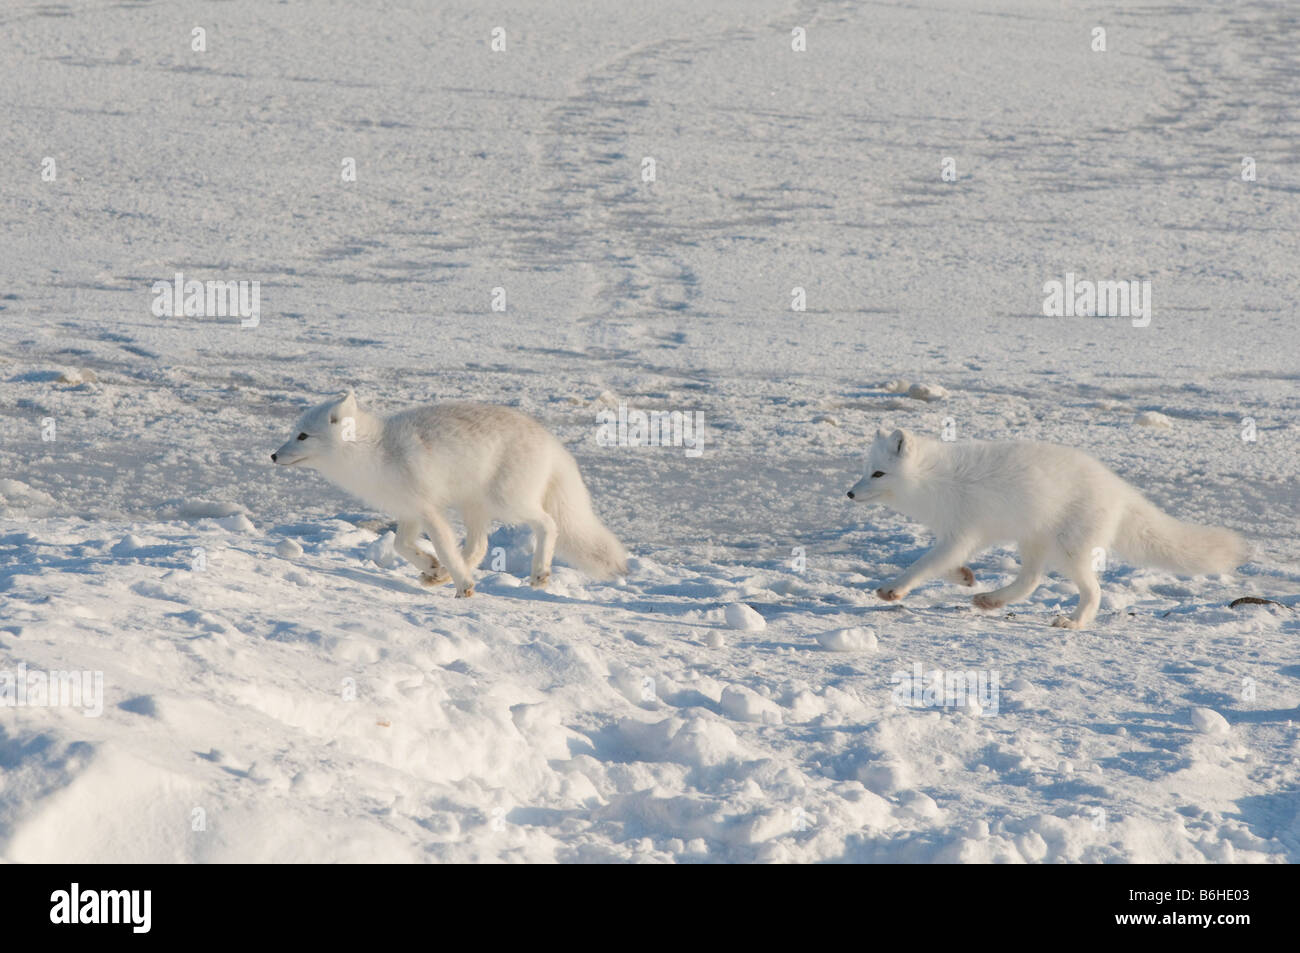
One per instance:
(583, 538)
(1151, 537)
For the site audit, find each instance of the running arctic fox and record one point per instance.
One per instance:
(489, 463)
(1060, 505)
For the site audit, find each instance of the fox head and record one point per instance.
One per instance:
(320, 433)
(891, 466)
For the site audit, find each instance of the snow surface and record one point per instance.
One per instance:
(278, 686)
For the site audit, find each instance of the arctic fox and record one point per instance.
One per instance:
(1062, 507)
(489, 463)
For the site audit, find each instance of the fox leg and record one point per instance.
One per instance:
(406, 544)
(1079, 568)
(939, 561)
(962, 576)
(1032, 559)
(544, 531)
(476, 538)
(444, 544)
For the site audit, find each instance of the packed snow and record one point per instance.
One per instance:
(265, 679)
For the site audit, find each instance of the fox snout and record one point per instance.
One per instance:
(288, 455)
(857, 490)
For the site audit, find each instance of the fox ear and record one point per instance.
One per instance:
(900, 442)
(346, 406)
(880, 433)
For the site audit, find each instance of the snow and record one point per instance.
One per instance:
(851, 639)
(278, 686)
(741, 616)
(927, 392)
(1209, 722)
(1153, 418)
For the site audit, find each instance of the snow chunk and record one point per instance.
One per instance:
(77, 375)
(926, 392)
(18, 493)
(1153, 418)
(239, 523)
(288, 548)
(1032, 846)
(864, 808)
(884, 777)
(745, 704)
(128, 544)
(704, 743)
(381, 552)
(1209, 722)
(852, 639)
(741, 616)
(919, 805)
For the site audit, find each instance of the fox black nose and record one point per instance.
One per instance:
(850, 491)
(273, 461)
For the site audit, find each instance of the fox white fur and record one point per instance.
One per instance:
(488, 463)
(1058, 504)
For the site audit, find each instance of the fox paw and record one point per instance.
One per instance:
(538, 580)
(1065, 622)
(466, 592)
(985, 600)
(964, 576)
(890, 595)
(435, 577)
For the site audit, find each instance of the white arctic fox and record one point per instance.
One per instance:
(1060, 505)
(489, 463)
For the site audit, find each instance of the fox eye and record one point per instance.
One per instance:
(878, 473)
(302, 436)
